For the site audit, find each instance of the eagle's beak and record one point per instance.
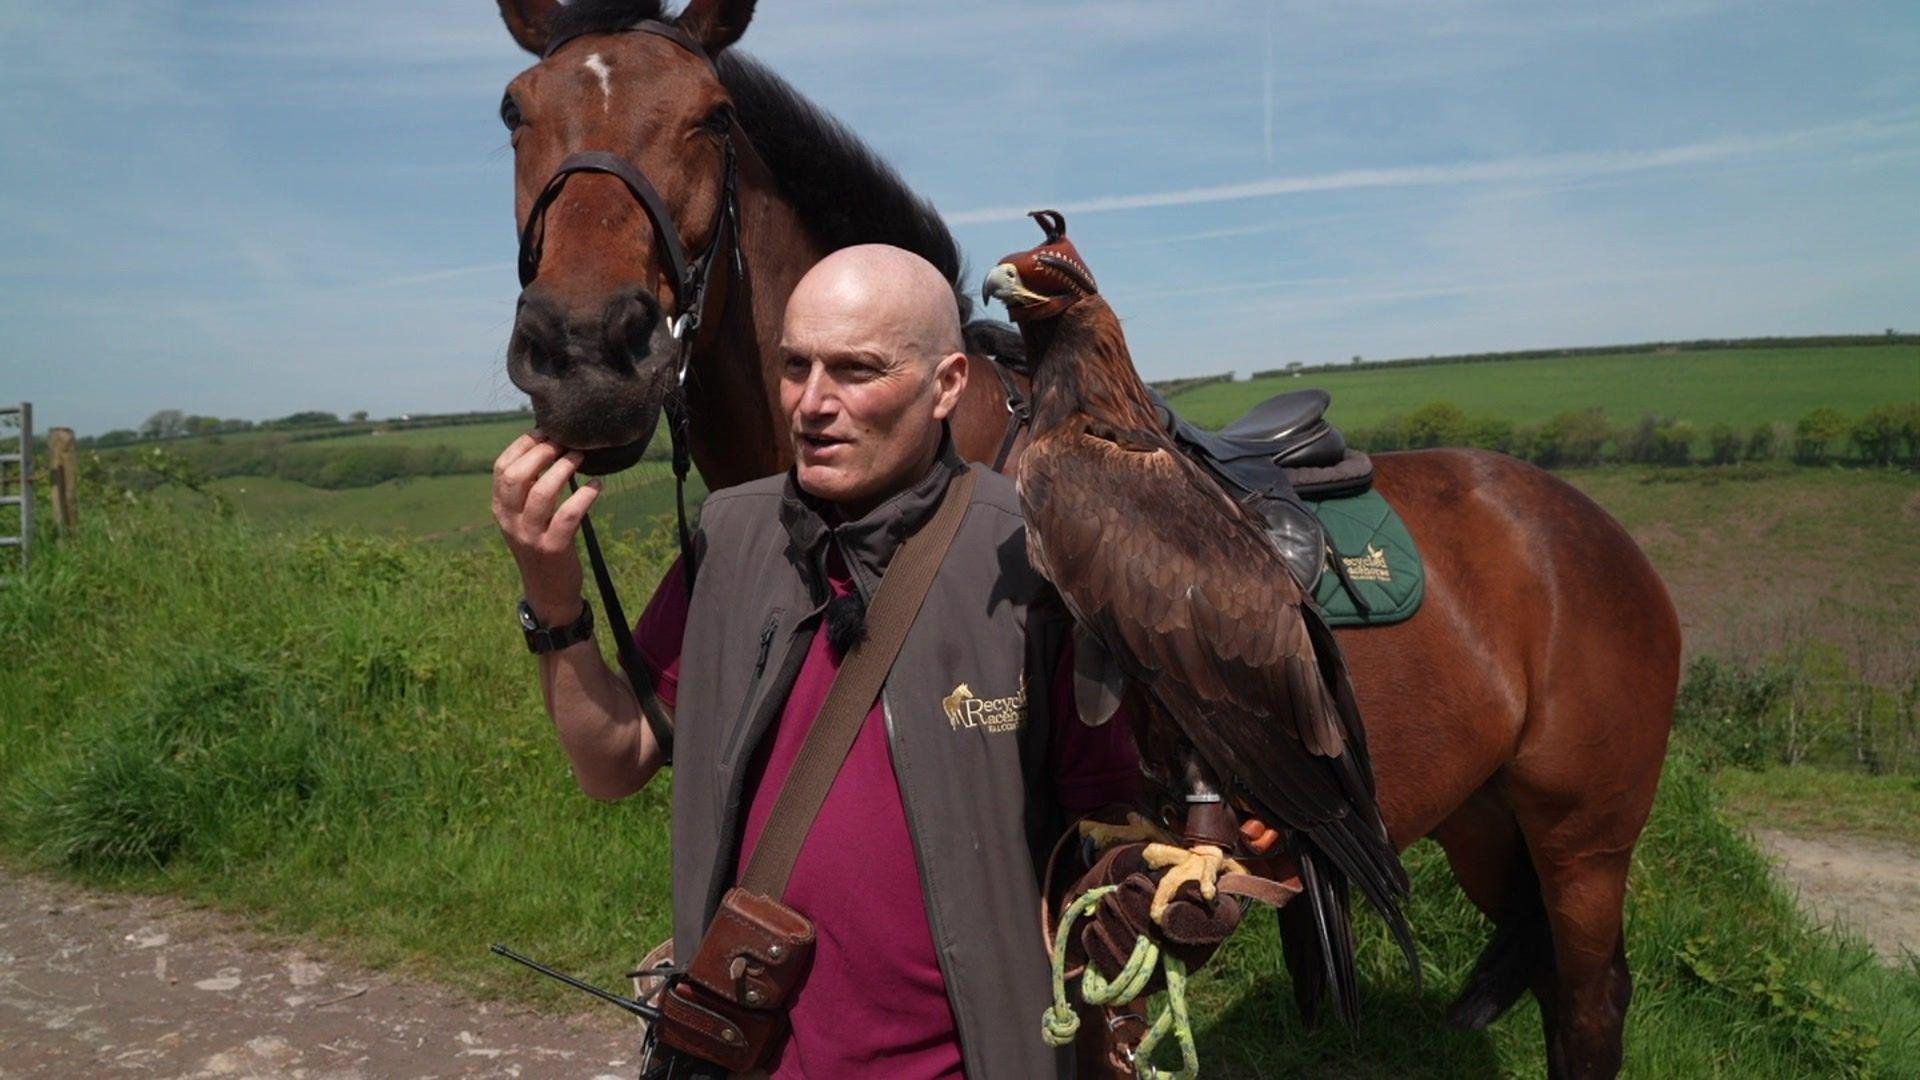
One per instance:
(1003, 283)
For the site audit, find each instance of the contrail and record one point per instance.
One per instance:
(1551, 166)
(1266, 89)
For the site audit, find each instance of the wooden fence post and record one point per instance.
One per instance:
(65, 477)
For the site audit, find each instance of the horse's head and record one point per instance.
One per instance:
(593, 344)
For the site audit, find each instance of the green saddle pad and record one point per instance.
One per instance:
(1380, 558)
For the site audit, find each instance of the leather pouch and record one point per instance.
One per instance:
(755, 950)
(728, 1008)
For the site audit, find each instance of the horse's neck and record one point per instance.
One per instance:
(737, 432)
(733, 389)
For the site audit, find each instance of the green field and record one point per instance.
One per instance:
(454, 509)
(479, 442)
(1741, 387)
(1757, 555)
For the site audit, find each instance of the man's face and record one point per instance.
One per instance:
(863, 399)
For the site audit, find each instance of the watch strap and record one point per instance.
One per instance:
(546, 639)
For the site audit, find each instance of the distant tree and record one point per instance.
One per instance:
(202, 425)
(165, 424)
(116, 437)
(1814, 436)
(1356, 358)
(1724, 444)
(1640, 441)
(1526, 442)
(1675, 441)
(1441, 423)
(1880, 434)
(1573, 438)
(1389, 434)
(359, 416)
(1763, 442)
(312, 418)
(234, 425)
(1907, 430)
(1490, 433)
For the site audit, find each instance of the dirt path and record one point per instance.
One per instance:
(1871, 887)
(94, 985)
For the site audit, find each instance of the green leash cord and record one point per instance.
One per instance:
(1059, 1024)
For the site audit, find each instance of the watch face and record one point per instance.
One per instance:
(526, 617)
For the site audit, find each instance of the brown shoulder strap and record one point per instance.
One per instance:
(895, 605)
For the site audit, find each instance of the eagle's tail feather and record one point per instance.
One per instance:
(1326, 896)
(1370, 862)
(1358, 842)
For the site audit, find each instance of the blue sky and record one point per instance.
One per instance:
(251, 209)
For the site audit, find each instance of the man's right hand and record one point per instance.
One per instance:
(529, 478)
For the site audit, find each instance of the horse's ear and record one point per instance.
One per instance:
(715, 24)
(528, 21)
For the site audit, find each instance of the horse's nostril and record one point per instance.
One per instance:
(539, 334)
(632, 316)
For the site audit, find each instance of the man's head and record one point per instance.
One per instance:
(871, 364)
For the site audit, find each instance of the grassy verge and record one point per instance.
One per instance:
(336, 733)
(1800, 799)
(341, 736)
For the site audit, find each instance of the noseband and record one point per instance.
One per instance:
(690, 276)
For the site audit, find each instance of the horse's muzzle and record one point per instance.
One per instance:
(596, 372)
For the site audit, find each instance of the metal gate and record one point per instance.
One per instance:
(16, 487)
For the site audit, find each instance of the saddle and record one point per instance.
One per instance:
(1282, 450)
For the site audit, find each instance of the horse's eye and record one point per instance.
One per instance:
(510, 113)
(719, 121)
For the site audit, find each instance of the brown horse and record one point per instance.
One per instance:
(1520, 719)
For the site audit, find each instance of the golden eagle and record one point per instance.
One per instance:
(1241, 704)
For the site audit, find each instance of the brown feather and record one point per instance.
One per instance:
(1182, 586)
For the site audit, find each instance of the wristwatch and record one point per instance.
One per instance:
(545, 639)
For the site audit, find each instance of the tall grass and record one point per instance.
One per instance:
(342, 736)
(338, 733)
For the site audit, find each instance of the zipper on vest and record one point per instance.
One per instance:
(766, 645)
(764, 650)
(961, 1021)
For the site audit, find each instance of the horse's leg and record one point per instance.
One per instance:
(1489, 858)
(1585, 990)
(1551, 644)
(1581, 809)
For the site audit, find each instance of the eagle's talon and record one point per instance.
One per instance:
(1137, 828)
(1202, 864)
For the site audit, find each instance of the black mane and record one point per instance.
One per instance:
(841, 189)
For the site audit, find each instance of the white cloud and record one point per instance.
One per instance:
(1548, 167)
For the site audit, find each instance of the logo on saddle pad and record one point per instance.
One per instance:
(964, 710)
(1369, 567)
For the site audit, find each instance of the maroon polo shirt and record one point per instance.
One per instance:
(874, 1001)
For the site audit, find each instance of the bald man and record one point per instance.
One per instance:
(919, 871)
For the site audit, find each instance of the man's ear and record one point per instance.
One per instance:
(950, 380)
(529, 21)
(716, 24)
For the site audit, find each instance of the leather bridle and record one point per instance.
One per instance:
(692, 277)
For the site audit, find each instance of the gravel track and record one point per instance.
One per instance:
(95, 984)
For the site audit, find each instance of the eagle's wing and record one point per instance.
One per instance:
(1194, 602)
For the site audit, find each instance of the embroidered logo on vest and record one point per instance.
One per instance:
(1369, 567)
(964, 710)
